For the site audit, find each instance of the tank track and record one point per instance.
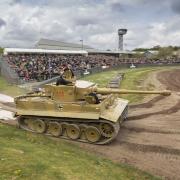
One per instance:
(90, 131)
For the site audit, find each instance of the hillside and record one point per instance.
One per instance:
(25, 155)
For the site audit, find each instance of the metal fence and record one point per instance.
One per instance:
(8, 73)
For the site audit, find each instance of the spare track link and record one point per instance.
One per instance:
(87, 131)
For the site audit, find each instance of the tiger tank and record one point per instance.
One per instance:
(80, 111)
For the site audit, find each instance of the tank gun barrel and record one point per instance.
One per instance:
(124, 91)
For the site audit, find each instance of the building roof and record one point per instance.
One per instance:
(110, 52)
(52, 44)
(59, 45)
(46, 51)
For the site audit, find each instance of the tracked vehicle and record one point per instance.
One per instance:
(79, 111)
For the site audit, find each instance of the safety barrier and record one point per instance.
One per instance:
(8, 73)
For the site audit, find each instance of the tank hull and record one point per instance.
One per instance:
(91, 124)
(39, 106)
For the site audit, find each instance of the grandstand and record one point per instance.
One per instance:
(42, 64)
(47, 60)
(59, 45)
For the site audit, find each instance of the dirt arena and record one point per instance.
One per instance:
(150, 138)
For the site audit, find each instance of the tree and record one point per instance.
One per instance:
(155, 48)
(141, 49)
(138, 55)
(1, 50)
(165, 52)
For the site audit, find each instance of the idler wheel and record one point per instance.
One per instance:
(39, 126)
(92, 134)
(30, 123)
(107, 130)
(73, 131)
(55, 129)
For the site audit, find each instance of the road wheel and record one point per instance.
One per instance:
(73, 131)
(92, 134)
(39, 126)
(55, 129)
(107, 130)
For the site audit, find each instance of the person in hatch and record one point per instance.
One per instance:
(67, 76)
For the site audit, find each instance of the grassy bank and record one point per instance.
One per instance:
(29, 156)
(132, 80)
(9, 89)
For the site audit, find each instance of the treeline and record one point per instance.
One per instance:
(1, 50)
(158, 48)
(162, 52)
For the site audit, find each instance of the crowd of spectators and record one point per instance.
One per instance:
(44, 66)
(143, 60)
(38, 67)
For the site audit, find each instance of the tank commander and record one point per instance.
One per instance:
(67, 76)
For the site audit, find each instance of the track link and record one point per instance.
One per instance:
(87, 131)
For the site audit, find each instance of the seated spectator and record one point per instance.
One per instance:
(39, 67)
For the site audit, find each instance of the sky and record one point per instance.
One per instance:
(149, 22)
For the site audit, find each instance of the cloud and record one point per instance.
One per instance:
(118, 7)
(176, 6)
(85, 21)
(96, 22)
(164, 34)
(29, 2)
(2, 22)
(17, 1)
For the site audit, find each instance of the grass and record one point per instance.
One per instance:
(132, 81)
(9, 89)
(29, 156)
(102, 78)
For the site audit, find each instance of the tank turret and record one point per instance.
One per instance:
(78, 111)
(84, 90)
